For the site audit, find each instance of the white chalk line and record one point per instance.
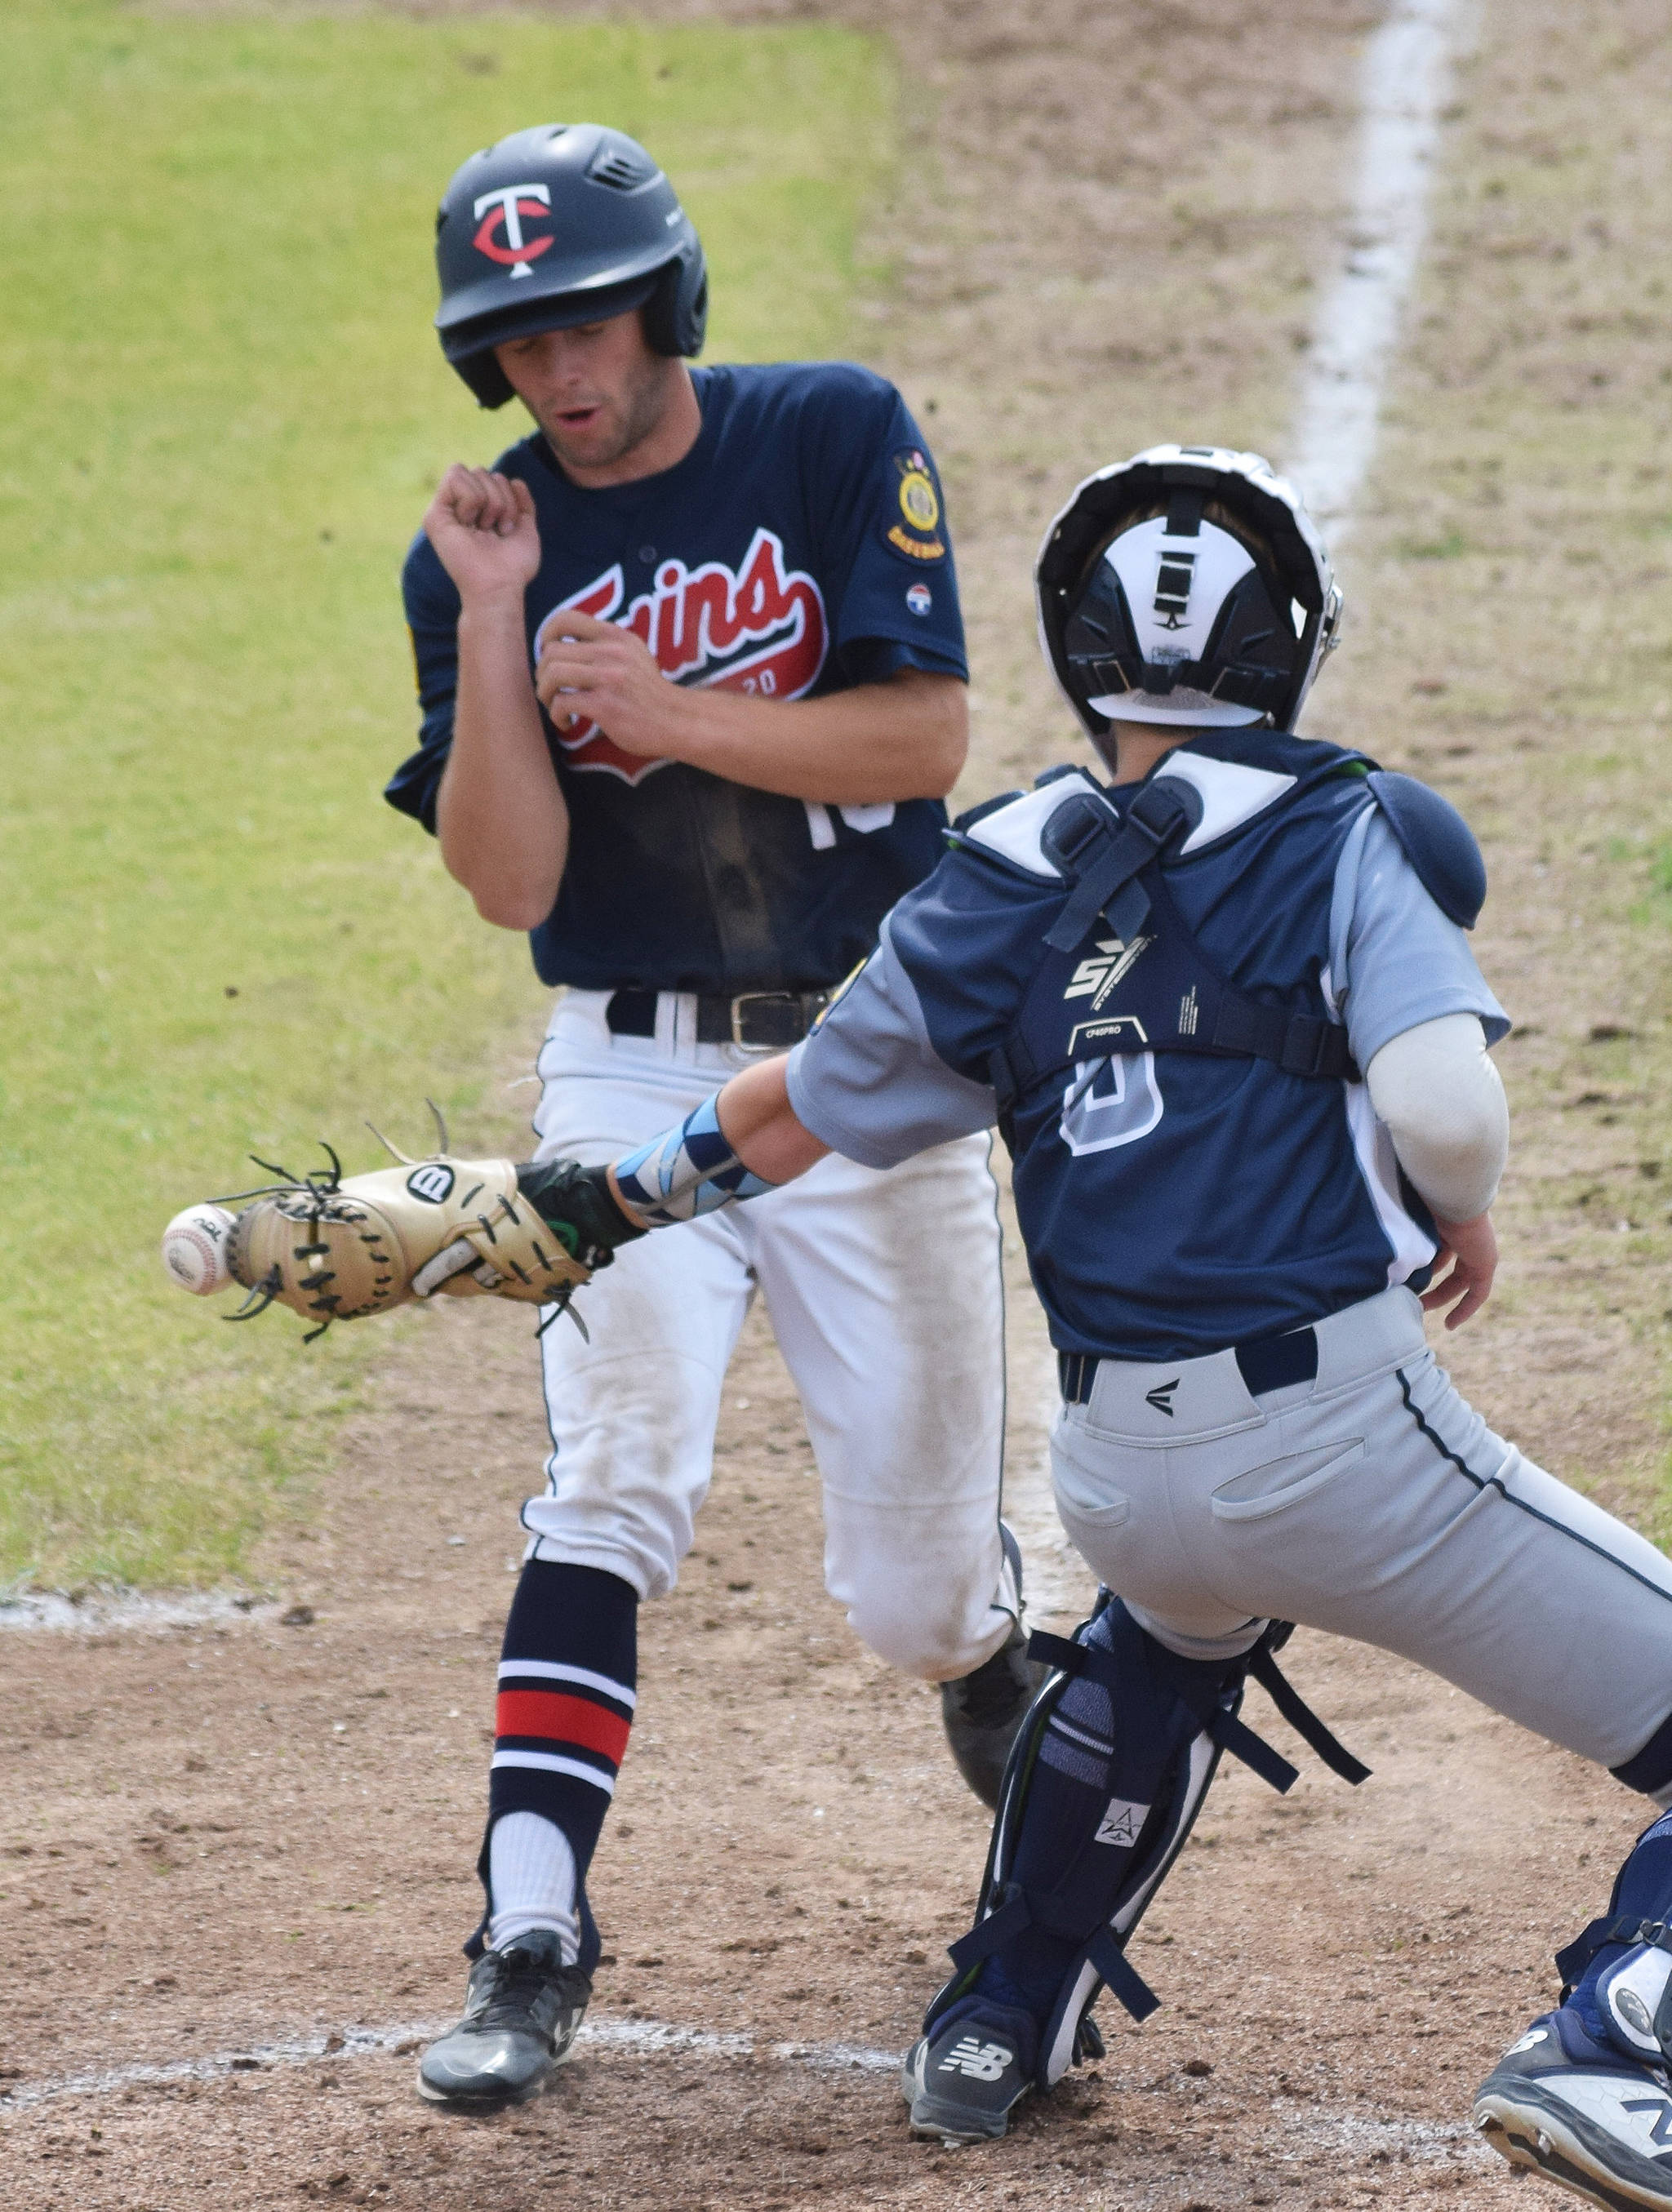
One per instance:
(632, 2036)
(102, 1610)
(1301, 2131)
(1404, 82)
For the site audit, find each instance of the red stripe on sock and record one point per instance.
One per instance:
(549, 1714)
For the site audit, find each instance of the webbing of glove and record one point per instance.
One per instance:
(1617, 1928)
(1231, 1734)
(1302, 1719)
(1024, 1909)
(1155, 816)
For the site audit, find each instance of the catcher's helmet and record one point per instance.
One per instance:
(569, 222)
(1189, 585)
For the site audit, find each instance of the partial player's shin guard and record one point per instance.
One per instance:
(1103, 1786)
(1617, 1975)
(568, 1685)
(1585, 2096)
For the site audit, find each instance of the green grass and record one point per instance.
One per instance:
(223, 412)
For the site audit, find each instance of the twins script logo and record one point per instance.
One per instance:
(758, 628)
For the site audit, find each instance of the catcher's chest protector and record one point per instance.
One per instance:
(1122, 970)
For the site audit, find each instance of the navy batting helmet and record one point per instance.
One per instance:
(569, 222)
(1189, 585)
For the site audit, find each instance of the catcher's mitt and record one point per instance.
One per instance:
(337, 1249)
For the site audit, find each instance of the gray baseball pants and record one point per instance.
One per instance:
(1374, 1503)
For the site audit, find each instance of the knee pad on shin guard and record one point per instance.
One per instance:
(1103, 1788)
(1617, 1976)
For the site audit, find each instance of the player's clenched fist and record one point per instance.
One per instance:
(483, 528)
(596, 671)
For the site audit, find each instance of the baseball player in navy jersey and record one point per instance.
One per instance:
(1224, 1010)
(693, 676)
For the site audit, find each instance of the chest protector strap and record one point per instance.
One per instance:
(1101, 861)
(1116, 868)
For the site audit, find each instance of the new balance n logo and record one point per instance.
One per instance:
(1656, 2118)
(982, 2062)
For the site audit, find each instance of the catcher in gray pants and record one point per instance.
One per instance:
(1225, 1014)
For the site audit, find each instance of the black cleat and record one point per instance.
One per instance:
(983, 1713)
(522, 2008)
(1582, 2115)
(965, 2077)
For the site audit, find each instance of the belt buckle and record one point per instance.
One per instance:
(755, 999)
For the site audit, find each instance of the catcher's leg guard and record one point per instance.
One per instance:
(1585, 2096)
(1104, 1784)
(1617, 1976)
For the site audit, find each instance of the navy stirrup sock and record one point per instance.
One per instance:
(568, 1685)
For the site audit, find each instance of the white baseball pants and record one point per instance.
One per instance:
(1374, 1503)
(886, 1296)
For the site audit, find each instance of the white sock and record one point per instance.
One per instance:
(531, 1879)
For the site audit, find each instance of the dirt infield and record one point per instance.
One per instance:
(226, 1847)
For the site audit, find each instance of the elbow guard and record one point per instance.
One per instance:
(1440, 1096)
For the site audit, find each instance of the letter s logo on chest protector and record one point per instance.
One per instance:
(759, 629)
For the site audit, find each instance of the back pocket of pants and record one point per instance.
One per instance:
(1284, 1482)
(1083, 1494)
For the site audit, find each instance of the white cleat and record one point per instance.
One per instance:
(1583, 2116)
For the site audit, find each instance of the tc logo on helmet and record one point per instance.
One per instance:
(504, 210)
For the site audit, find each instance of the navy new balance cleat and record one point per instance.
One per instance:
(1582, 2115)
(964, 2078)
(522, 2008)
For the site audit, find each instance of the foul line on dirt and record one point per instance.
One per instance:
(647, 2037)
(102, 1611)
(1404, 81)
(1304, 2131)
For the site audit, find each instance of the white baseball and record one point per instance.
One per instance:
(194, 1249)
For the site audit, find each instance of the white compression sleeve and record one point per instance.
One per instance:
(1444, 1104)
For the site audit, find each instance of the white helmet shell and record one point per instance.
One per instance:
(1149, 611)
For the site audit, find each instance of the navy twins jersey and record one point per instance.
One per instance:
(1172, 1202)
(799, 548)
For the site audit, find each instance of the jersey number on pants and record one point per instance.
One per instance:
(1120, 1103)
